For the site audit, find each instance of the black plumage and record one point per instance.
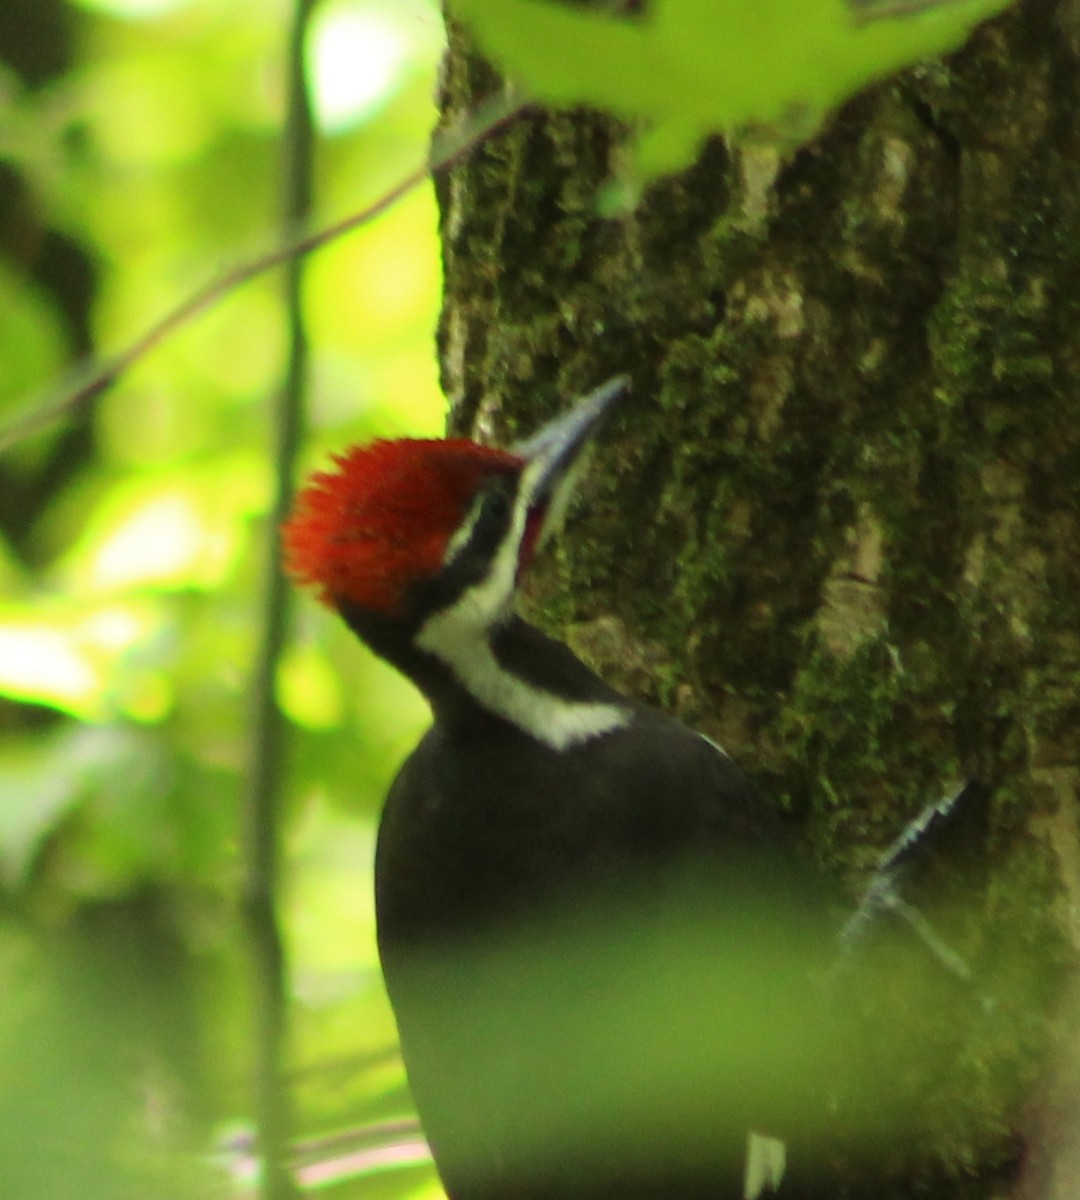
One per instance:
(602, 950)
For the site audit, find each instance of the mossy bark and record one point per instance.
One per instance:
(837, 525)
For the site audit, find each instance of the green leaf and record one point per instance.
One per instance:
(695, 67)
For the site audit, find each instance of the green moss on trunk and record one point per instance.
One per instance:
(838, 524)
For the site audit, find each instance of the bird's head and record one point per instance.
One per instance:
(403, 529)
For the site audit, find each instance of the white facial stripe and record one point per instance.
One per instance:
(492, 595)
(461, 539)
(482, 604)
(457, 636)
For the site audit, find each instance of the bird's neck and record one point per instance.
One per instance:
(509, 673)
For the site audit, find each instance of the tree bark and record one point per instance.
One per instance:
(837, 526)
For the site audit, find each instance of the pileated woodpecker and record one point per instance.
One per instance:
(598, 943)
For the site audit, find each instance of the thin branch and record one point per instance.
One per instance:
(93, 378)
(340, 1157)
(263, 801)
(866, 12)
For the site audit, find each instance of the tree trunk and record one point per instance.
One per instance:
(837, 525)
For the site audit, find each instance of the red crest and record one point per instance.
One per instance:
(368, 529)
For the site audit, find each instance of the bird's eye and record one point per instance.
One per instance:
(486, 523)
(493, 513)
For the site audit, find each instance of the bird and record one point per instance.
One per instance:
(599, 943)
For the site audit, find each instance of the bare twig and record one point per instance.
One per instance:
(93, 378)
(336, 1158)
(263, 801)
(866, 12)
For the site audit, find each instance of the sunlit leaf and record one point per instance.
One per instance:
(64, 657)
(694, 67)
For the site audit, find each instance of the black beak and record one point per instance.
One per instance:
(552, 451)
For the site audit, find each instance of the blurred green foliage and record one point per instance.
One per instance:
(689, 68)
(140, 143)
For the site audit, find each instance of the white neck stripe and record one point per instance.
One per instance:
(541, 714)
